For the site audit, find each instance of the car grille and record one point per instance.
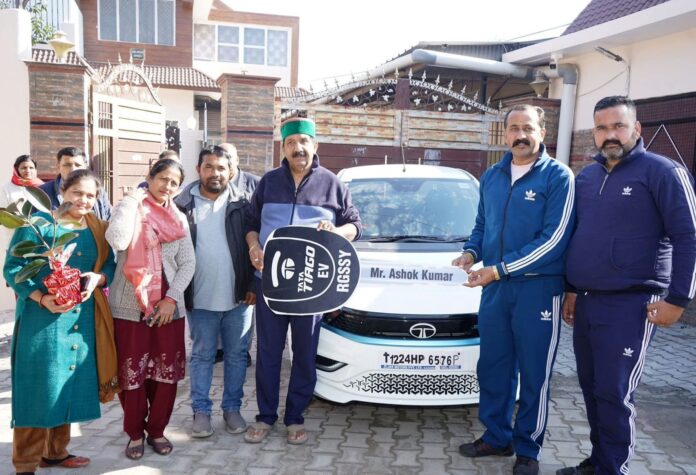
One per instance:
(418, 384)
(399, 326)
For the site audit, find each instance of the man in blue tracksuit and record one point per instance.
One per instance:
(631, 265)
(523, 225)
(299, 192)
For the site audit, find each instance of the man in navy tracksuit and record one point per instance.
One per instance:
(524, 222)
(631, 264)
(299, 192)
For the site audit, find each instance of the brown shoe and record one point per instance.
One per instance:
(525, 466)
(71, 461)
(479, 448)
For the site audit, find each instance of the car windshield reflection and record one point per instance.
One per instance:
(415, 210)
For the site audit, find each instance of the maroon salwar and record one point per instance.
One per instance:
(151, 361)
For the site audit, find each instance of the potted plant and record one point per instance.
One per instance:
(64, 281)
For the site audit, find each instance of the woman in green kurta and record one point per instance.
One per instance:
(54, 369)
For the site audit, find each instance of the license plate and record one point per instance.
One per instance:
(432, 360)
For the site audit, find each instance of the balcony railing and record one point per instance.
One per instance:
(58, 12)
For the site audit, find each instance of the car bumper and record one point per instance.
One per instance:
(385, 371)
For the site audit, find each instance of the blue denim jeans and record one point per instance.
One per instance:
(234, 328)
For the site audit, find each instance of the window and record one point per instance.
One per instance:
(254, 46)
(204, 42)
(238, 44)
(277, 48)
(137, 21)
(228, 44)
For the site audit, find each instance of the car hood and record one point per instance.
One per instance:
(409, 291)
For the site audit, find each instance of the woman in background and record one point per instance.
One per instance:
(24, 174)
(156, 262)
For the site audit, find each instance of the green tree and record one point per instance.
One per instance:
(41, 31)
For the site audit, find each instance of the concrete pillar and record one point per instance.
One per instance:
(14, 121)
(247, 119)
(14, 97)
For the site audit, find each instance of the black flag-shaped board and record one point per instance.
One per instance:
(307, 271)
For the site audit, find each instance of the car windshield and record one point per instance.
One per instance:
(415, 209)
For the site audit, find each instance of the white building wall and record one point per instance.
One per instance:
(215, 69)
(14, 122)
(659, 67)
(179, 106)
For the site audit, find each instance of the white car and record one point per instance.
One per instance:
(408, 335)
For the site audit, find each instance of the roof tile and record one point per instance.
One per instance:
(602, 11)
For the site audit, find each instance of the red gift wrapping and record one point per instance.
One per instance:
(65, 283)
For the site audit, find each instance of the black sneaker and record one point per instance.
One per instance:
(585, 468)
(479, 448)
(525, 466)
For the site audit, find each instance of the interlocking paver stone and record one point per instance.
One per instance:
(365, 439)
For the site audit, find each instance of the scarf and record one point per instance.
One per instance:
(107, 366)
(19, 181)
(154, 225)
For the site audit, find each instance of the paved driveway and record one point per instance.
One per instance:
(369, 439)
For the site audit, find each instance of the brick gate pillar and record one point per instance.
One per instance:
(58, 109)
(247, 119)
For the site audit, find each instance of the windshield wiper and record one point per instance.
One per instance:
(416, 238)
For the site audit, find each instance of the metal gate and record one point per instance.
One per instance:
(410, 119)
(128, 128)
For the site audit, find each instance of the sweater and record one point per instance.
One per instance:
(319, 196)
(636, 227)
(178, 261)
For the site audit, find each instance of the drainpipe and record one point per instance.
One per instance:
(569, 74)
(449, 60)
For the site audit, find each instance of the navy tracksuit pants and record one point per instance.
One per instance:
(519, 322)
(271, 333)
(611, 336)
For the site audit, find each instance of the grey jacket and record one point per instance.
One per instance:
(178, 260)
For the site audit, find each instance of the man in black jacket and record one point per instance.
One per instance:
(70, 159)
(219, 298)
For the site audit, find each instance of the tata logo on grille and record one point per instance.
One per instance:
(422, 330)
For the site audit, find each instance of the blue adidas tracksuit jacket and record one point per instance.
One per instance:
(276, 203)
(522, 229)
(635, 243)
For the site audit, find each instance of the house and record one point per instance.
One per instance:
(435, 103)
(640, 48)
(144, 75)
(147, 73)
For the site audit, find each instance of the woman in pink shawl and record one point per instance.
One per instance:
(156, 262)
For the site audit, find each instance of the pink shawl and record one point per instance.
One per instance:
(154, 225)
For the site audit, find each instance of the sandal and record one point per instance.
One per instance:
(297, 434)
(163, 448)
(135, 452)
(257, 432)
(71, 461)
